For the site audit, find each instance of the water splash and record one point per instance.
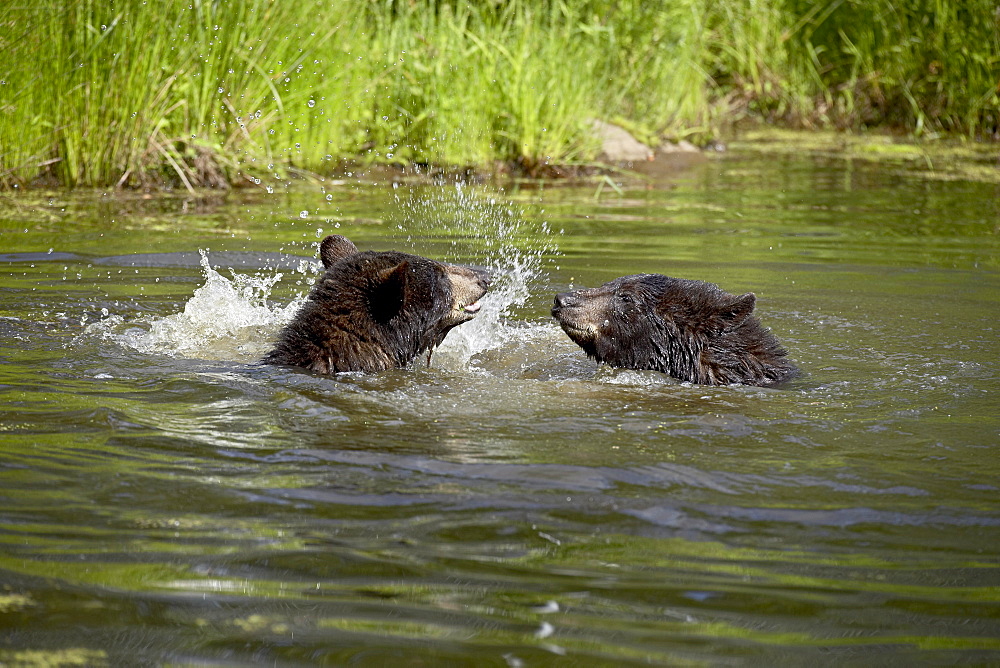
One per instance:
(232, 319)
(226, 318)
(497, 233)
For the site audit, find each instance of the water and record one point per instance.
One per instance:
(166, 500)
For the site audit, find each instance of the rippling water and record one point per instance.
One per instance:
(167, 500)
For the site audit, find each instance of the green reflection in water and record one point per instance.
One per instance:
(169, 501)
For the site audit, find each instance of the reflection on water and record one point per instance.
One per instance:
(168, 500)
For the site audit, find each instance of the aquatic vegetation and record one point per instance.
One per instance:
(214, 94)
(939, 160)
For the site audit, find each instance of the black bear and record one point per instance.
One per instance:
(691, 330)
(374, 311)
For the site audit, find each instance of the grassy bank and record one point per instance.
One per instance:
(197, 92)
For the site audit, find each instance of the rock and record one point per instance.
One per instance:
(617, 145)
(683, 146)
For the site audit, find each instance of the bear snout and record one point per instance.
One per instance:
(483, 274)
(483, 279)
(576, 315)
(469, 286)
(565, 300)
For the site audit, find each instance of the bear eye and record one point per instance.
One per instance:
(626, 298)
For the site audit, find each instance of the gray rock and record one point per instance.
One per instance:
(683, 146)
(617, 145)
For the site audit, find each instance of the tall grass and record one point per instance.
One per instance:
(215, 92)
(925, 66)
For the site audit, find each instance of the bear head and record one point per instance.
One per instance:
(372, 311)
(691, 330)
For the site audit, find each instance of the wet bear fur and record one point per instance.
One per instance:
(691, 330)
(372, 311)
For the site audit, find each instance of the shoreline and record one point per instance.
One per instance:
(939, 158)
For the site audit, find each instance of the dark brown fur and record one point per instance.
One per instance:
(692, 330)
(374, 311)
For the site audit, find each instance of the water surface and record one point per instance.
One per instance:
(167, 500)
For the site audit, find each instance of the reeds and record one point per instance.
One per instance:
(924, 67)
(214, 92)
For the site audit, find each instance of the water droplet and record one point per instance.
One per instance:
(329, 197)
(303, 214)
(311, 103)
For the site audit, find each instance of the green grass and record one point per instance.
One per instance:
(215, 92)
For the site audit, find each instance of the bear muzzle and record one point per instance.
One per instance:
(574, 314)
(468, 286)
(565, 300)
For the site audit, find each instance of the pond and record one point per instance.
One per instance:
(167, 500)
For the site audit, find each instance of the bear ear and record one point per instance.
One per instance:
(732, 313)
(387, 295)
(334, 248)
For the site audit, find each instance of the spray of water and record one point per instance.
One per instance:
(230, 318)
(497, 234)
(226, 318)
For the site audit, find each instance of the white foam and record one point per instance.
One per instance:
(226, 318)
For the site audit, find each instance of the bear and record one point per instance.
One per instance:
(691, 330)
(372, 311)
